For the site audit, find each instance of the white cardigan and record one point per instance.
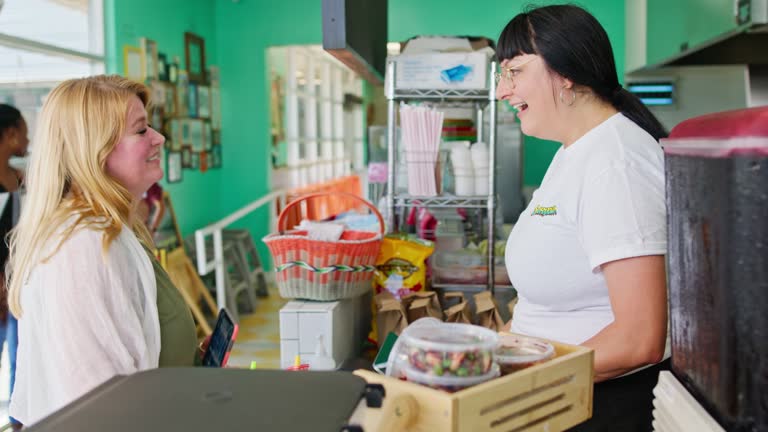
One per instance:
(86, 318)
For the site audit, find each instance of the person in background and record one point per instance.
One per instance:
(587, 255)
(91, 300)
(14, 141)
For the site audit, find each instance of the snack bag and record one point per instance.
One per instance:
(486, 312)
(427, 300)
(459, 312)
(390, 315)
(401, 267)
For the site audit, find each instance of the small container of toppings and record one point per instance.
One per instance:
(515, 352)
(451, 350)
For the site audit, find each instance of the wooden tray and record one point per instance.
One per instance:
(551, 396)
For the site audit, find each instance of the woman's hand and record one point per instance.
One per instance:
(203, 347)
(637, 336)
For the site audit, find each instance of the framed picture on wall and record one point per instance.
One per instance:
(192, 101)
(149, 51)
(213, 76)
(170, 100)
(173, 167)
(196, 137)
(214, 157)
(186, 157)
(182, 93)
(173, 71)
(204, 102)
(174, 135)
(195, 164)
(162, 67)
(194, 51)
(215, 108)
(157, 116)
(207, 136)
(133, 63)
(203, 162)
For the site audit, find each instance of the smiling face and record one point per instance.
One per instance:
(530, 88)
(135, 160)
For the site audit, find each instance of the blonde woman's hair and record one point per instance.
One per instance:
(81, 122)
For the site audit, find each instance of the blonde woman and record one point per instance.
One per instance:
(91, 300)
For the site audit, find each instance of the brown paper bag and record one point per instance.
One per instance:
(486, 312)
(452, 298)
(390, 315)
(458, 313)
(419, 308)
(511, 306)
(433, 303)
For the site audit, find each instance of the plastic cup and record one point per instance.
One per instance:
(514, 352)
(449, 383)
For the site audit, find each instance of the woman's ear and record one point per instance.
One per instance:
(566, 83)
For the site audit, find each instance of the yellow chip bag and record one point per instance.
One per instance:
(401, 268)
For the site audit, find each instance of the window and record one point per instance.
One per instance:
(316, 135)
(43, 42)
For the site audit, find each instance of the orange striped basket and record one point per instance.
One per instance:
(324, 270)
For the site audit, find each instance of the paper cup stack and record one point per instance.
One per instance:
(480, 165)
(463, 171)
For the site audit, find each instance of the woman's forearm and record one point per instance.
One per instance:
(618, 351)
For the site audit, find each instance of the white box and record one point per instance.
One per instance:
(302, 322)
(425, 71)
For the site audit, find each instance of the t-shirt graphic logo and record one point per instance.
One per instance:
(544, 211)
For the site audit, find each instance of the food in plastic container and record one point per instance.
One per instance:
(519, 352)
(458, 350)
(449, 383)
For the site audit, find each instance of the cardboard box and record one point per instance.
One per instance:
(455, 70)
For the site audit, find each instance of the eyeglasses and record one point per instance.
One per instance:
(509, 73)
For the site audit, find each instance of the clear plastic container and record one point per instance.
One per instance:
(465, 267)
(459, 350)
(514, 353)
(449, 383)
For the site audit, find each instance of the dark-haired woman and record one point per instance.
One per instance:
(13, 142)
(587, 255)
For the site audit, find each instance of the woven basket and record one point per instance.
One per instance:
(323, 270)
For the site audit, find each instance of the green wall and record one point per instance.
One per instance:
(197, 198)
(237, 35)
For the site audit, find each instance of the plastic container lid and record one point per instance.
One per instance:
(452, 337)
(451, 382)
(518, 350)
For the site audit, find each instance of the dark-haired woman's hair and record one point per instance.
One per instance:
(576, 46)
(10, 117)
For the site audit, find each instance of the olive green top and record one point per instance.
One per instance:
(178, 337)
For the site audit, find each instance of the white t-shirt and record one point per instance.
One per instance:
(602, 199)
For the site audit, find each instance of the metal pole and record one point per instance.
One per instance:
(391, 143)
(491, 177)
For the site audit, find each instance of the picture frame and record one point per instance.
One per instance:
(157, 95)
(173, 167)
(174, 135)
(203, 162)
(133, 63)
(194, 51)
(192, 100)
(213, 76)
(186, 157)
(182, 93)
(149, 51)
(215, 136)
(215, 108)
(204, 102)
(173, 72)
(157, 117)
(195, 164)
(207, 137)
(214, 157)
(162, 67)
(186, 136)
(196, 136)
(169, 107)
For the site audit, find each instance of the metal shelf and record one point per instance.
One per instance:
(456, 94)
(442, 201)
(468, 287)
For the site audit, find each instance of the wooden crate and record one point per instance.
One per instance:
(548, 397)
